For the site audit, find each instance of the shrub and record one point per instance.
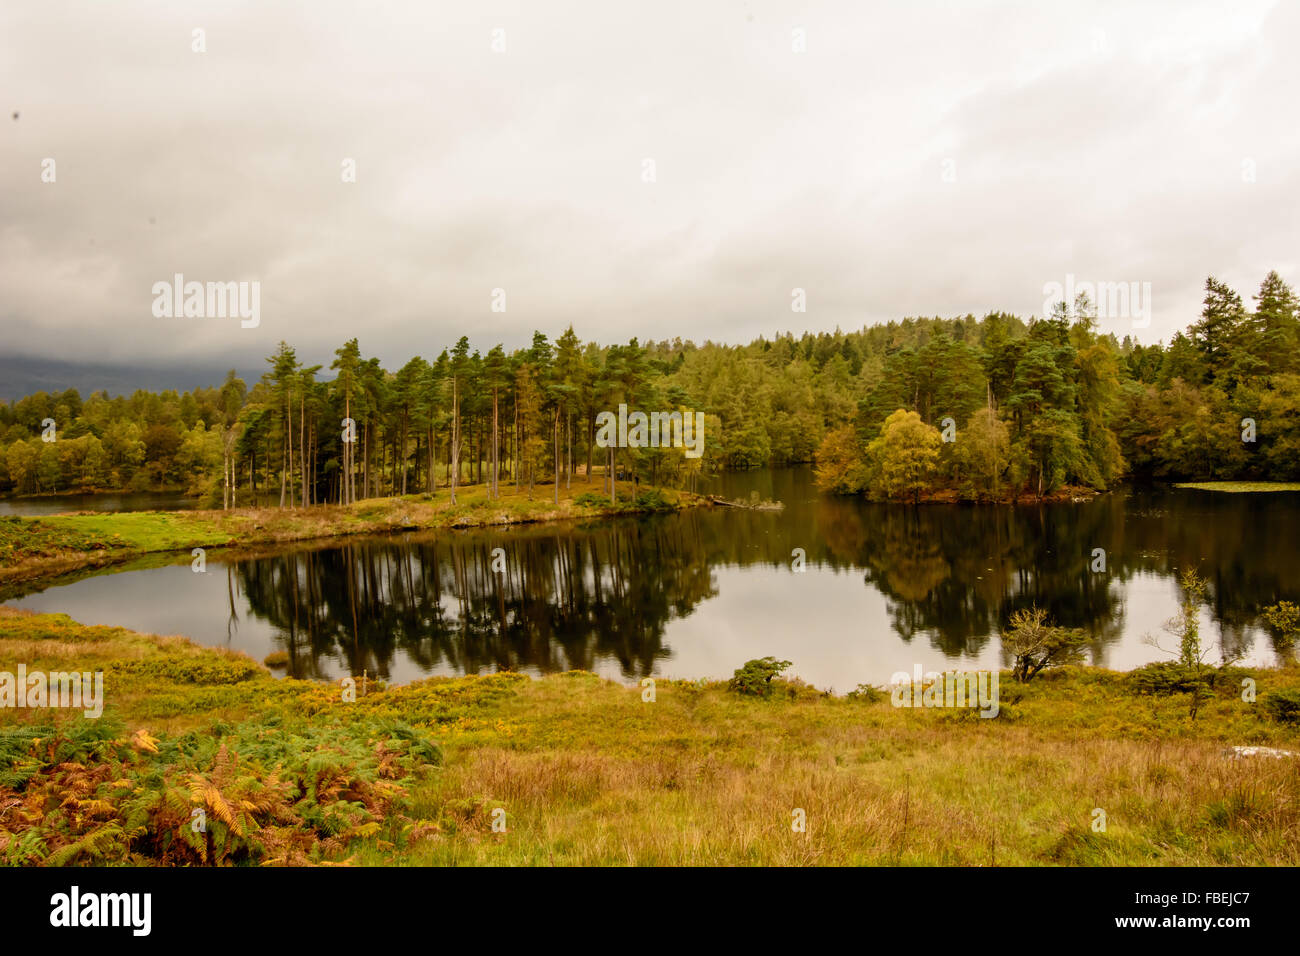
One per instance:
(233, 669)
(755, 678)
(1034, 644)
(1161, 678)
(1283, 621)
(652, 500)
(867, 693)
(1170, 677)
(1283, 705)
(798, 690)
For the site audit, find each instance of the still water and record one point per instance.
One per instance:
(126, 501)
(691, 595)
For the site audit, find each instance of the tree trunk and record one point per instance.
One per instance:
(454, 476)
(347, 491)
(405, 426)
(302, 438)
(591, 441)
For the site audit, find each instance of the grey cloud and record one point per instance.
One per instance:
(522, 170)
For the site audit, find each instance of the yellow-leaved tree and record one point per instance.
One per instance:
(840, 463)
(901, 462)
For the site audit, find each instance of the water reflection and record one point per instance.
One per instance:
(696, 594)
(104, 502)
(564, 600)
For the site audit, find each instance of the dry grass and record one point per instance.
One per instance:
(699, 777)
(589, 773)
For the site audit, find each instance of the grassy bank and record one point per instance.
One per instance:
(1011, 496)
(587, 772)
(36, 547)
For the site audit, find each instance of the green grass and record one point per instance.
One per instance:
(587, 772)
(146, 531)
(23, 539)
(29, 539)
(1239, 487)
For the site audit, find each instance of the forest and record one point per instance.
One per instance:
(982, 409)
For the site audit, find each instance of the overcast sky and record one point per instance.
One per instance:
(915, 159)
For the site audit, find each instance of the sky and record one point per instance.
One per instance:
(659, 169)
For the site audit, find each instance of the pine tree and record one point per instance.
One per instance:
(497, 377)
(284, 367)
(1220, 325)
(348, 364)
(1275, 323)
(458, 371)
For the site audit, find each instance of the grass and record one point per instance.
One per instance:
(1240, 487)
(38, 547)
(586, 772)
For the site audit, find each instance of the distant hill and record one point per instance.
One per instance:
(21, 376)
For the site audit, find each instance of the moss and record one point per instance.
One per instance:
(1240, 487)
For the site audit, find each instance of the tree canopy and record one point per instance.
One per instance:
(977, 408)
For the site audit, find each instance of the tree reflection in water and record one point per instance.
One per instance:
(573, 596)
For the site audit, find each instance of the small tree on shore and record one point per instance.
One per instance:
(1196, 672)
(1034, 643)
(1283, 620)
(1187, 628)
(755, 678)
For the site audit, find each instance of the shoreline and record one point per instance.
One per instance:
(36, 547)
(84, 492)
(1068, 494)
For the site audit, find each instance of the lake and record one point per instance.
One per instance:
(108, 501)
(696, 594)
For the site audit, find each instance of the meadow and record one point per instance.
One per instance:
(584, 771)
